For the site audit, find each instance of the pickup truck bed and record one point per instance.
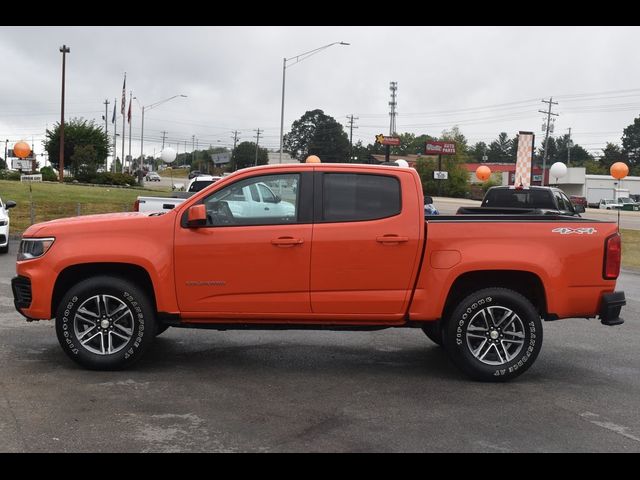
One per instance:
(318, 246)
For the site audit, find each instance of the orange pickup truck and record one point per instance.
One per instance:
(329, 246)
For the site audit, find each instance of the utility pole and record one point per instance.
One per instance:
(351, 127)
(64, 49)
(257, 143)
(164, 135)
(569, 149)
(115, 136)
(235, 141)
(546, 138)
(106, 131)
(193, 150)
(393, 86)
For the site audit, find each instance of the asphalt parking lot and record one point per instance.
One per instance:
(389, 391)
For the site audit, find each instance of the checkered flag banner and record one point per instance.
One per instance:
(524, 159)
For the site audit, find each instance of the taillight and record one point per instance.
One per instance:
(612, 257)
(136, 206)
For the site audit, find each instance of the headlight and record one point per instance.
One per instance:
(31, 248)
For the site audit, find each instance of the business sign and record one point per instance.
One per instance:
(440, 148)
(220, 158)
(22, 163)
(385, 140)
(440, 175)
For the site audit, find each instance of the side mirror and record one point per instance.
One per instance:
(197, 216)
(9, 204)
(278, 199)
(428, 199)
(579, 208)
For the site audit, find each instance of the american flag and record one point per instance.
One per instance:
(129, 112)
(124, 95)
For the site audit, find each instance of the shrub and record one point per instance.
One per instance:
(9, 175)
(48, 174)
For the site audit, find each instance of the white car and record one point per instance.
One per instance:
(256, 200)
(4, 225)
(153, 177)
(608, 204)
(201, 181)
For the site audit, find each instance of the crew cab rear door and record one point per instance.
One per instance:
(367, 238)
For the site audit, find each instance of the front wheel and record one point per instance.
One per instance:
(105, 323)
(494, 334)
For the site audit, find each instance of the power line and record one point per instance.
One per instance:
(546, 139)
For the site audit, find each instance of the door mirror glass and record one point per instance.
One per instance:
(428, 199)
(579, 208)
(9, 204)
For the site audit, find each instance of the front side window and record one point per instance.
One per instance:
(356, 197)
(239, 203)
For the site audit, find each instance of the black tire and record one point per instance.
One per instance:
(4, 249)
(114, 315)
(433, 330)
(510, 344)
(160, 329)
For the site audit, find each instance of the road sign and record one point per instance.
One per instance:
(440, 148)
(385, 140)
(440, 175)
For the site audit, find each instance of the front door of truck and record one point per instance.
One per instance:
(247, 260)
(366, 242)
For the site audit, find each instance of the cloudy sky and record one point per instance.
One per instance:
(483, 79)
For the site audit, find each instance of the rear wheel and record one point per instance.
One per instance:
(4, 249)
(105, 323)
(494, 334)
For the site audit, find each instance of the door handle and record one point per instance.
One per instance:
(287, 241)
(391, 239)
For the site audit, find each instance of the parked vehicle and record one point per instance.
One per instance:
(609, 204)
(577, 200)
(330, 246)
(532, 200)
(194, 173)
(4, 224)
(198, 183)
(153, 177)
(160, 204)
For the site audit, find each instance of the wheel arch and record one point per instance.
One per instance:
(74, 274)
(526, 283)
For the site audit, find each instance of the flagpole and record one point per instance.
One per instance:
(124, 123)
(129, 115)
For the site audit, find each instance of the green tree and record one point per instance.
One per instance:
(317, 134)
(78, 132)
(611, 154)
(84, 162)
(3, 164)
(631, 143)
(245, 156)
(477, 152)
(501, 150)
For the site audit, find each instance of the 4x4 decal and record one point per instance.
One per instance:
(579, 231)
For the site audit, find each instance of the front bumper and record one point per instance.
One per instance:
(610, 307)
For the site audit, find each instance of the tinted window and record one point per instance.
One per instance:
(199, 185)
(351, 197)
(512, 198)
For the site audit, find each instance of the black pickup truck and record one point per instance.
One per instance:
(532, 200)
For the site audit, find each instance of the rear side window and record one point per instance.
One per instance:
(511, 198)
(353, 197)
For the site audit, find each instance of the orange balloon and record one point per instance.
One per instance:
(619, 170)
(21, 149)
(312, 159)
(483, 172)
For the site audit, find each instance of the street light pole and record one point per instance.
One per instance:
(64, 49)
(298, 59)
(149, 107)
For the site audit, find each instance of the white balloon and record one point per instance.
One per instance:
(558, 170)
(168, 155)
(402, 163)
